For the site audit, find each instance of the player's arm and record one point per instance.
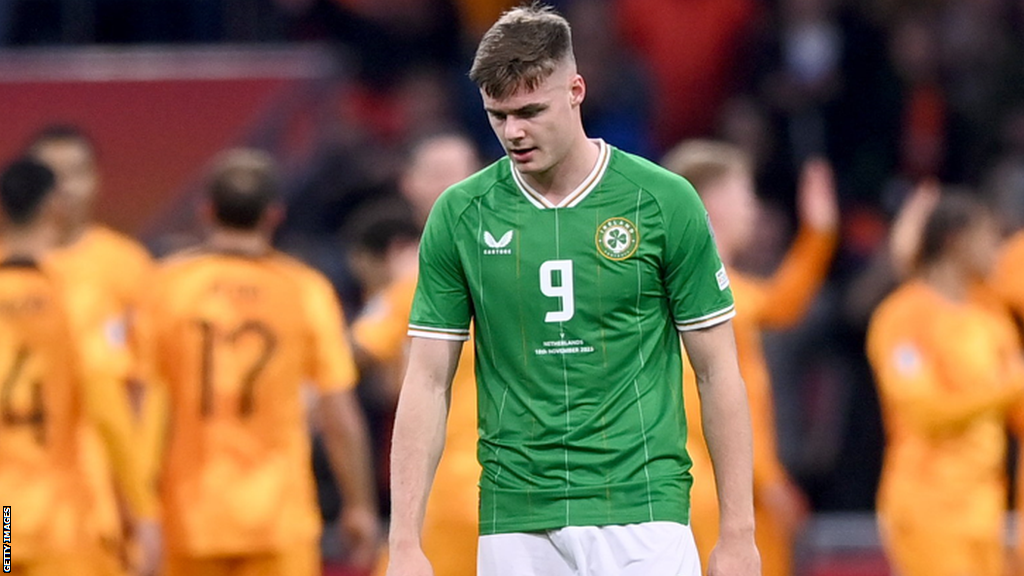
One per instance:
(348, 448)
(910, 379)
(726, 421)
(108, 408)
(417, 445)
(341, 419)
(790, 291)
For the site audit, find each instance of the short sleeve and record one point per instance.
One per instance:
(442, 307)
(332, 368)
(695, 278)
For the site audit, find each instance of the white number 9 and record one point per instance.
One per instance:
(563, 291)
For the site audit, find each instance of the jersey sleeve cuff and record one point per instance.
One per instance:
(435, 333)
(708, 320)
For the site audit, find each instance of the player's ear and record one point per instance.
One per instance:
(273, 217)
(577, 90)
(205, 214)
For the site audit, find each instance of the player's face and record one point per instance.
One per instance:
(73, 163)
(537, 127)
(732, 207)
(435, 166)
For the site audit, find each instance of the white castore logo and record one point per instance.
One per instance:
(498, 246)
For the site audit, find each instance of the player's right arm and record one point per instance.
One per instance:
(416, 448)
(439, 323)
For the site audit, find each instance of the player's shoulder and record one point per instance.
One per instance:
(123, 245)
(906, 308)
(1011, 258)
(669, 189)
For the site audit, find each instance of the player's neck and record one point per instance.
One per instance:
(948, 279)
(248, 242)
(31, 243)
(565, 177)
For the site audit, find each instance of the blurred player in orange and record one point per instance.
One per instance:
(234, 330)
(450, 527)
(48, 389)
(950, 375)
(723, 177)
(102, 272)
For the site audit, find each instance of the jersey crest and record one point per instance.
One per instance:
(617, 238)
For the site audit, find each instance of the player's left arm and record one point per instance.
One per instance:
(726, 422)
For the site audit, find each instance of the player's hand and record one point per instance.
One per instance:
(787, 504)
(908, 227)
(735, 556)
(361, 529)
(149, 539)
(816, 197)
(409, 562)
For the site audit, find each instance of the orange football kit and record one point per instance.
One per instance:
(950, 377)
(233, 339)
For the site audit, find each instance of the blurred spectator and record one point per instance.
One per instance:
(618, 93)
(692, 49)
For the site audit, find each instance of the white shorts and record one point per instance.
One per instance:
(648, 549)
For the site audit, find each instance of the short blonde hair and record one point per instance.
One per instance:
(704, 162)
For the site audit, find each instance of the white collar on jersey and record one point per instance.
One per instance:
(582, 191)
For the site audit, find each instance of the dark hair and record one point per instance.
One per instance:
(955, 212)
(61, 133)
(521, 50)
(242, 184)
(24, 185)
(375, 233)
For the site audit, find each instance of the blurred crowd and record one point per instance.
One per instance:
(890, 92)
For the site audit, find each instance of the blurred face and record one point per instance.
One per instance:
(77, 178)
(732, 206)
(537, 128)
(977, 248)
(435, 166)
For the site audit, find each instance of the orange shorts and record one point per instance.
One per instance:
(58, 565)
(300, 561)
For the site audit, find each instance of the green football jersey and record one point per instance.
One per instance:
(576, 309)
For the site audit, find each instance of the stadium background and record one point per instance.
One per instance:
(891, 91)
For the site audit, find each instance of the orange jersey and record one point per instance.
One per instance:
(1008, 277)
(102, 275)
(947, 374)
(450, 526)
(40, 412)
(233, 339)
(777, 302)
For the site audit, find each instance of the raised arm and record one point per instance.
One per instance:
(416, 448)
(789, 292)
(726, 422)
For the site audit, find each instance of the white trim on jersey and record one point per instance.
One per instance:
(708, 320)
(582, 191)
(450, 334)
